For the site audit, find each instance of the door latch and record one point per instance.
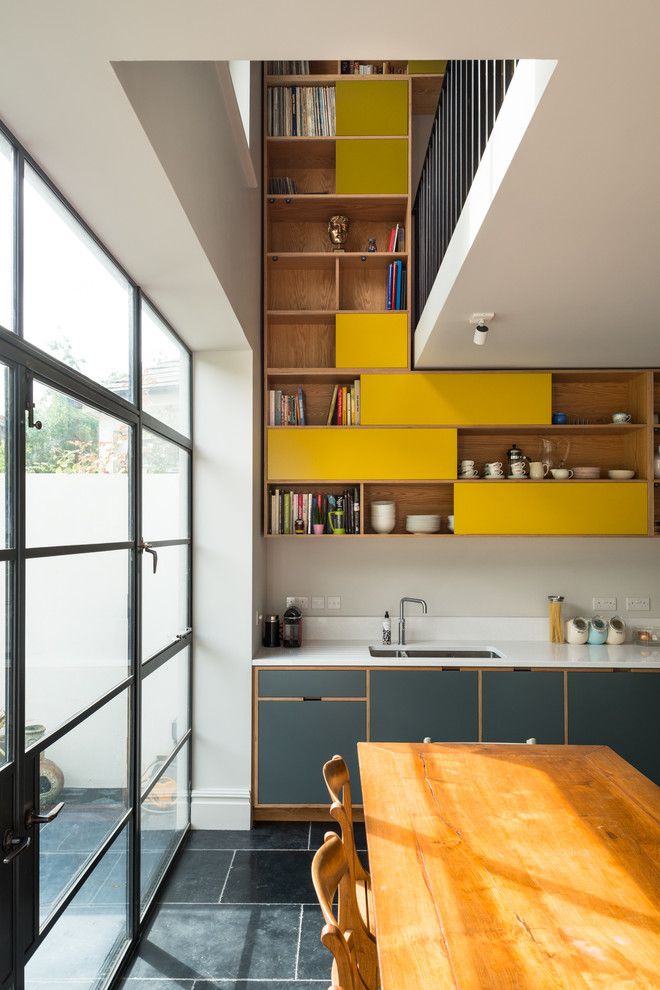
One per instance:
(149, 549)
(13, 846)
(33, 424)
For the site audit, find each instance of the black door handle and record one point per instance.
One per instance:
(32, 818)
(13, 847)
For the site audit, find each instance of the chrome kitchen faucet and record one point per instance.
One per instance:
(402, 617)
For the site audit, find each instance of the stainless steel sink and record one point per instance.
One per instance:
(410, 653)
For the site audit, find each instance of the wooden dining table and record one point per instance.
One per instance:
(512, 866)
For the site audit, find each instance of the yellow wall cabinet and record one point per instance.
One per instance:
(348, 453)
(551, 508)
(371, 340)
(461, 399)
(372, 107)
(372, 166)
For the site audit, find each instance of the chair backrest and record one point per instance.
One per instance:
(338, 781)
(331, 876)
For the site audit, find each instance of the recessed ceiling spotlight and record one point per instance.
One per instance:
(480, 323)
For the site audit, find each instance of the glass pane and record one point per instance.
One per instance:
(164, 815)
(77, 473)
(164, 599)
(165, 469)
(6, 234)
(77, 305)
(5, 441)
(76, 632)
(87, 940)
(88, 770)
(165, 717)
(165, 371)
(5, 670)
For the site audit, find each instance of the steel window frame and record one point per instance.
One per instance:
(24, 361)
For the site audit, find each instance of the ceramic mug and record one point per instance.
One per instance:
(494, 467)
(471, 473)
(383, 517)
(450, 523)
(621, 417)
(561, 473)
(467, 465)
(537, 469)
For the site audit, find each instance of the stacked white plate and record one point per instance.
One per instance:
(423, 524)
(586, 473)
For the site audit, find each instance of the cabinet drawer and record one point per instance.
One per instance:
(341, 454)
(408, 705)
(372, 107)
(296, 738)
(551, 508)
(519, 704)
(372, 166)
(371, 340)
(312, 684)
(461, 399)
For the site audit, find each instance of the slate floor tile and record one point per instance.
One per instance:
(256, 985)
(259, 877)
(198, 876)
(264, 835)
(320, 828)
(230, 941)
(314, 960)
(155, 985)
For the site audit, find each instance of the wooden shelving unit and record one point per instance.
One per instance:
(309, 290)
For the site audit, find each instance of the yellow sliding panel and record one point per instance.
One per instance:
(371, 340)
(427, 67)
(351, 453)
(372, 166)
(372, 107)
(461, 399)
(551, 508)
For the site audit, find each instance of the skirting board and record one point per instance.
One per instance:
(221, 808)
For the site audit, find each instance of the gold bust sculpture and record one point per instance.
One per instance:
(338, 231)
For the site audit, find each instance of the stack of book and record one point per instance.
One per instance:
(282, 186)
(301, 111)
(397, 239)
(396, 286)
(287, 68)
(345, 405)
(286, 410)
(297, 513)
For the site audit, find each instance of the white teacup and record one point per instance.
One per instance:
(467, 465)
(493, 465)
(468, 474)
(450, 523)
(561, 473)
(537, 469)
(621, 417)
(518, 469)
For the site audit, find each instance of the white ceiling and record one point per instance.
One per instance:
(572, 234)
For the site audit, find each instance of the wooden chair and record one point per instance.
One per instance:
(355, 963)
(338, 781)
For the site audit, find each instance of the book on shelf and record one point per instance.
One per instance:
(344, 409)
(282, 186)
(397, 239)
(296, 512)
(301, 111)
(397, 285)
(281, 68)
(286, 410)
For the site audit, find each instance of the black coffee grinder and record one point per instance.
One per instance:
(292, 627)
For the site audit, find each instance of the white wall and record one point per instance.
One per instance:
(227, 585)
(476, 576)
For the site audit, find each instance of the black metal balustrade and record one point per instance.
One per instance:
(470, 99)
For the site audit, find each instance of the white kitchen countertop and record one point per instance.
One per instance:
(515, 653)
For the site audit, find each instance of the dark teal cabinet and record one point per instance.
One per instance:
(519, 704)
(620, 710)
(312, 684)
(295, 740)
(408, 705)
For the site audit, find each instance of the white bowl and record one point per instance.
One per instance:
(423, 524)
(620, 475)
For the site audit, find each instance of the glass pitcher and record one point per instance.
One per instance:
(553, 452)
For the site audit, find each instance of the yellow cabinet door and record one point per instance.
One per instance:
(459, 399)
(551, 508)
(351, 453)
(372, 107)
(371, 340)
(372, 166)
(426, 67)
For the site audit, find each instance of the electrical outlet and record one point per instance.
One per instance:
(334, 603)
(603, 604)
(300, 601)
(638, 604)
(318, 602)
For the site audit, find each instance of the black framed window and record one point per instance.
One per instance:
(95, 563)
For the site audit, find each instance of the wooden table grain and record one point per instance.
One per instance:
(526, 867)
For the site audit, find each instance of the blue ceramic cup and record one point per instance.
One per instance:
(559, 419)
